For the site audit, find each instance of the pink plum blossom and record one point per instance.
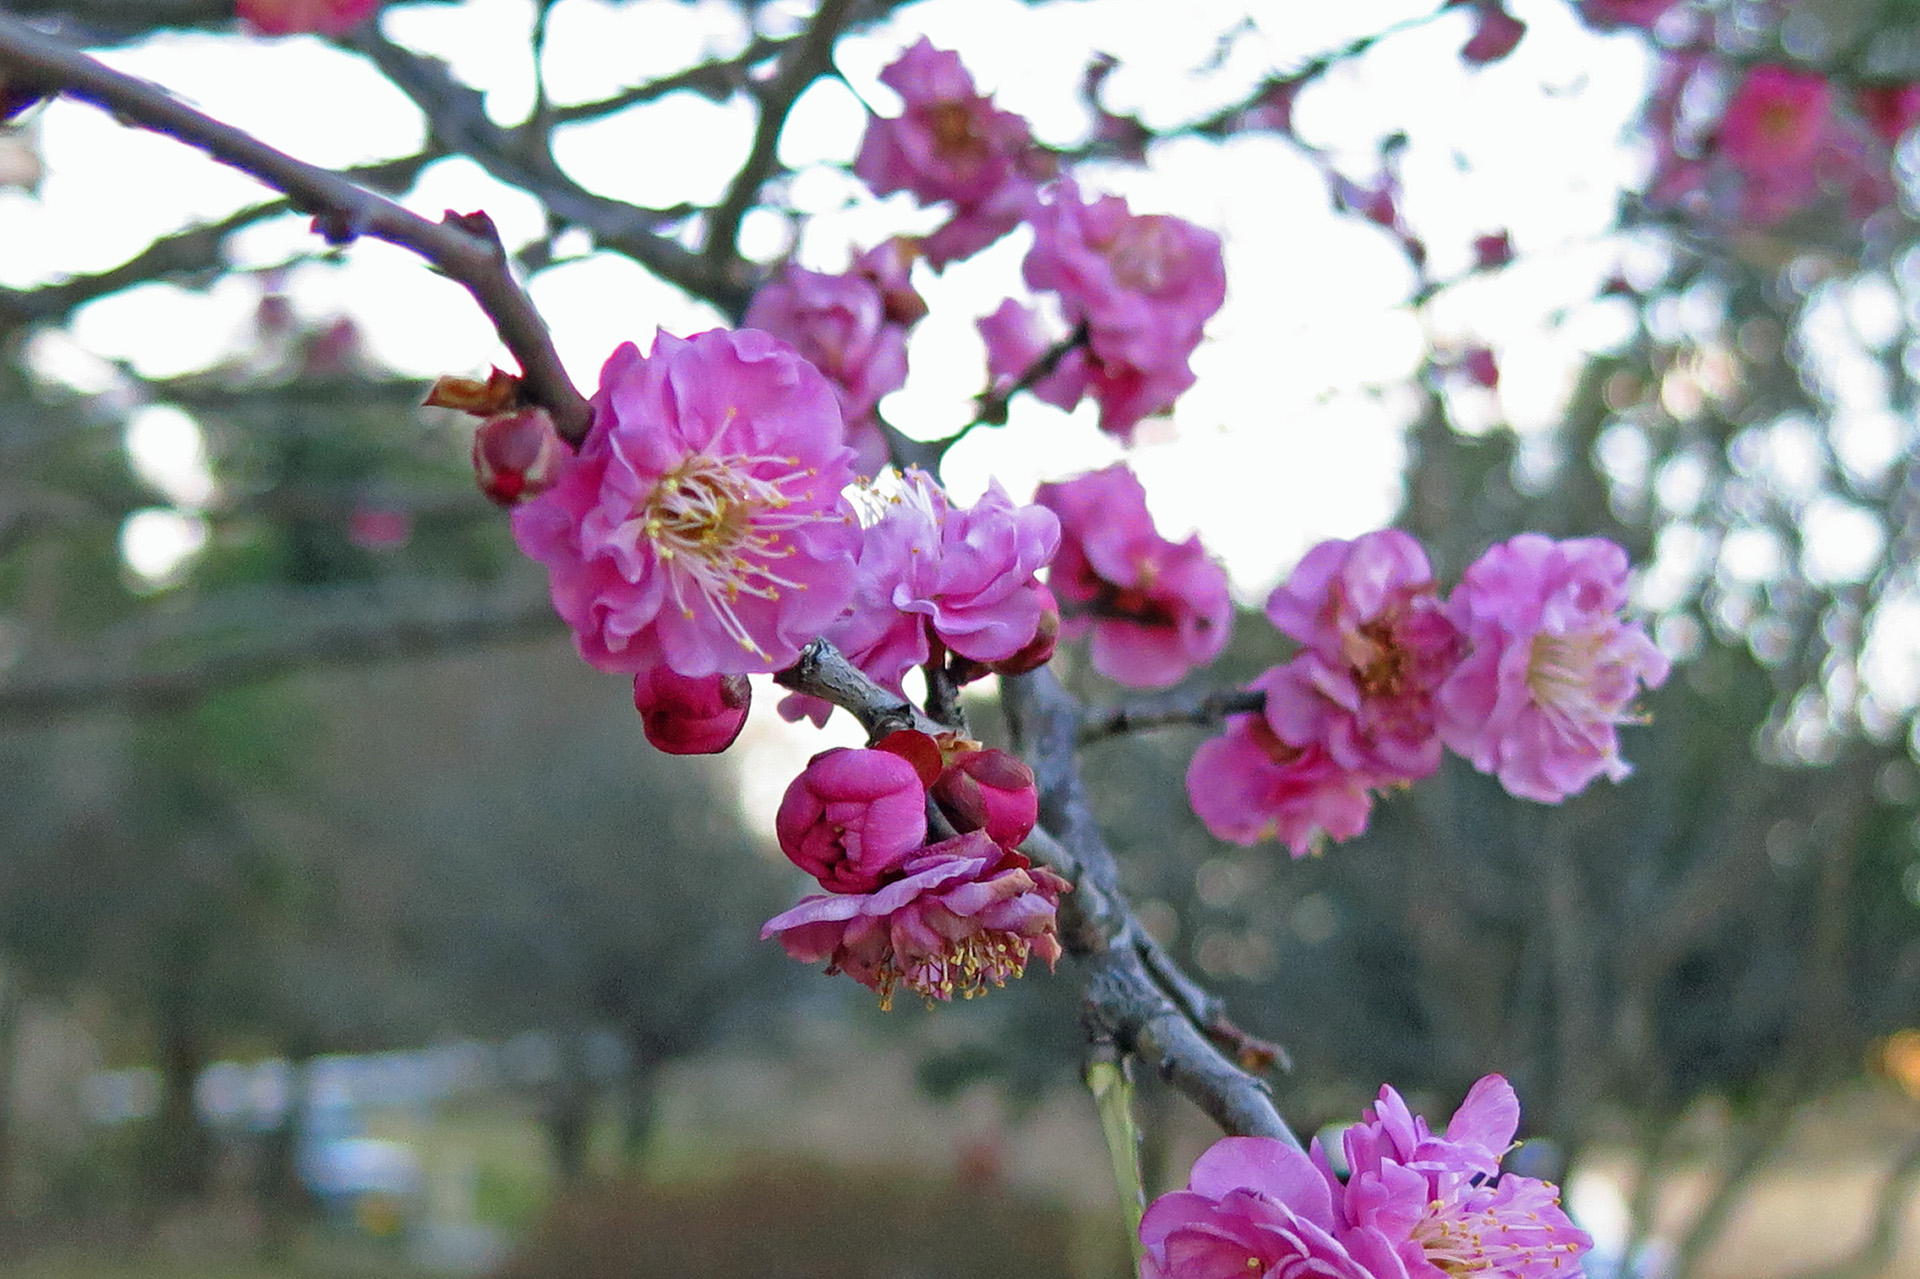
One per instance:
(852, 818)
(988, 790)
(1553, 668)
(965, 913)
(1254, 1208)
(320, 17)
(951, 144)
(691, 715)
(1156, 609)
(701, 526)
(1439, 1202)
(1775, 119)
(1247, 786)
(1378, 645)
(840, 325)
(1143, 286)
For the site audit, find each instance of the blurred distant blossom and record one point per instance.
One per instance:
(965, 914)
(951, 144)
(1890, 110)
(1496, 33)
(1625, 13)
(701, 526)
(1554, 668)
(1247, 786)
(1775, 118)
(319, 17)
(1156, 609)
(1377, 646)
(691, 715)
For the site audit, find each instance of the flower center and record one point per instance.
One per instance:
(717, 529)
(956, 135)
(1466, 1242)
(1141, 254)
(1561, 675)
(1379, 661)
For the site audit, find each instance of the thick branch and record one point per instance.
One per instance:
(342, 210)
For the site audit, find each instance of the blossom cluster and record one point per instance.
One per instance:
(1413, 1205)
(1527, 671)
(943, 917)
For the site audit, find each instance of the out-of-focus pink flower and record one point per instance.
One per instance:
(1624, 13)
(688, 714)
(1496, 33)
(852, 818)
(989, 790)
(1247, 785)
(1890, 110)
(1481, 367)
(1378, 645)
(518, 455)
(950, 143)
(1775, 119)
(1440, 1205)
(289, 17)
(1553, 668)
(964, 576)
(839, 324)
(1143, 286)
(701, 525)
(965, 914)
(1494, 250)
(889, 264)
(379, 528)
(1156, 609)
(1254, 1208)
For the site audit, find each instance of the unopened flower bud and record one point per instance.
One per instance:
(992, 791)
(1040, 650)
(517, 455)
(691, 715)
(852, 818)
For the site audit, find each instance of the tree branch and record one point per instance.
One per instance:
(463, 248)
(1166, 710)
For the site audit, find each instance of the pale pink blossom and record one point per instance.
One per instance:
(964, 914)
(1247, 786)
(839, 324)
(1553, 668)
(701, 526)
(691, 715)
(1378, 645)
(1142, 286)
(1254, 1208)
(320, 17)
(951, 144)
(852, 818)
(1156, 609)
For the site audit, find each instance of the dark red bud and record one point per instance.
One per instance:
(518, 455)
(989, 790)
(689, 714)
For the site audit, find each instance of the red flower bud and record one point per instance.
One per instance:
(518, 455)
(689, 715)
(852, 818)
(989, 790)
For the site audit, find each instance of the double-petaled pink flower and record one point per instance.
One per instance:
(1414, 1206)
(1142, 286)
(1553, 669)
(1156, 609)
(1376, 646)
(1247, 786)
(951, 144)
(962, 915)
(701, 526)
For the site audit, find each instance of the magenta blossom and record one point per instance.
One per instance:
(951, 144)
(701, 525)
(840, 325)
(1775, 119)
(1156, 609)
(1439, 1202)
(1378, 645)
(1254, 1208)
(1142, 286)
(1247, 785)
(1553, 669)
(965, 914)
(852, 818)
(691, 715)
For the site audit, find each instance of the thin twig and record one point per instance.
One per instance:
(1167, 710)
(715, 80)
(342, 209)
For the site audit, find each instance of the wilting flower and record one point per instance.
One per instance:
(1144, 287)
(950, 143)
(1414, 1206)
(701, 525)
(1247, 785)
(852, 818)
(988, 790)
(691, 714)
(1377, 647)
(965, 914)
(1156, 608)
(839, 324)
(1553, 668)
(288, 17)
